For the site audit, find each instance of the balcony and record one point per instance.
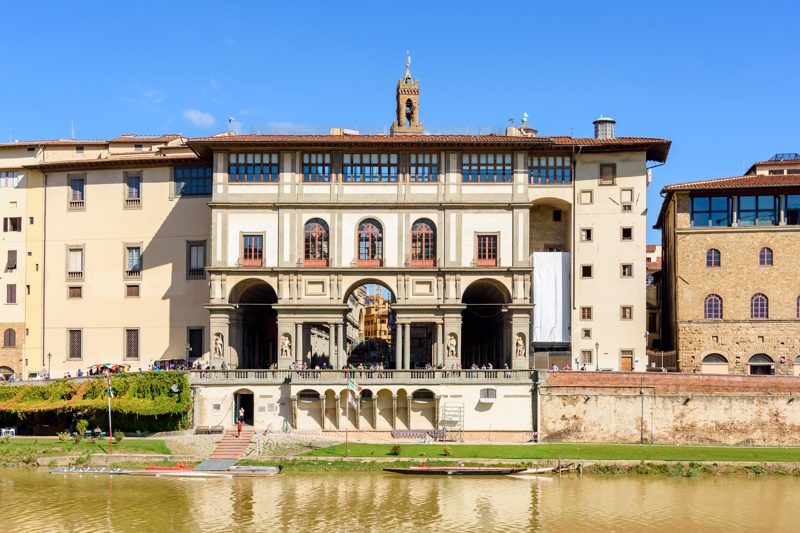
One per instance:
(312, 263)
(133, 274)
(486, 262)
(423, 263)
(197, 272)
(133, 202)
(75, 276)
(76, 204)
(251, 262)
(369, 263)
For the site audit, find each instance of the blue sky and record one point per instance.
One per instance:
(718, 79)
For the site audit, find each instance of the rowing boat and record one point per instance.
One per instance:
(89, 471)
(457, 470)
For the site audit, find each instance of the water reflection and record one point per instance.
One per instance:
(33, 500)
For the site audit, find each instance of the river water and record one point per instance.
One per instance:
(34, 500)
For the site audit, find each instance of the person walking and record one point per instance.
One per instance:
(239, 430)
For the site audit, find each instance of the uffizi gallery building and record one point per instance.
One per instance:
(509, 248)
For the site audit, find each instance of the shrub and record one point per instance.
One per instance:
(81, 426)
(78, 438)
(63, 436)
(396, 449)
(447, 451)
(6, 439)
(118, 436)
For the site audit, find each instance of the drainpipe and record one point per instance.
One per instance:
(44, 252)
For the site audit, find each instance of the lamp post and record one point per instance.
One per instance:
(596, 356)
(49, 357)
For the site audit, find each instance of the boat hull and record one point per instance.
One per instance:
(456, 470)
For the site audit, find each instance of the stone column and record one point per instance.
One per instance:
(338, 412)
(734, 212)
(394, 411)
(439, 344)
(341, 356)
(294, 411)
(332, 346)
(398, 350)
(437, 399)
(408, 412)
(375, 411)
(782, 209)
(322, 404)
(407, 348)
(298, 343)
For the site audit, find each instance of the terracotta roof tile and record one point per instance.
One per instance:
(125, 160)
(654, 265)
(778, 163)
(56, 142)
(651, 248)
(738, 182)
(135, 138)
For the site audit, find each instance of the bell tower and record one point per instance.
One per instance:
(407, 122)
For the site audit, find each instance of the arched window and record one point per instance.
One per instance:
(370, 243)
(9, 338)
(423, 243)
(765, 257)
(712, 307)
(712, 258)
(761, 364)
(714, 358)
(316, 243)
(759, 306)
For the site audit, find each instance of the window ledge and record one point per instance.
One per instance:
(76, 205)
(133, 274)
(133, 203)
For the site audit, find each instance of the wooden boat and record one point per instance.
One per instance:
(88, 471)
(538, 470)
(457, 470)
(201, 473)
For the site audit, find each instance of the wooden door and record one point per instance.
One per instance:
(627, 364)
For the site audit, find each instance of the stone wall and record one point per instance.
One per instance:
(668, 408)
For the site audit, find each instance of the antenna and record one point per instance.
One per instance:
(72, 126)
(230, 124)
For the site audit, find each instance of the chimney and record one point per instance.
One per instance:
(604, 128)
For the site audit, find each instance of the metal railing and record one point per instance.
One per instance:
(363, 376)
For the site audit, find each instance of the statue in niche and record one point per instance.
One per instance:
(286, 346)
(520, 346)
(452, 348)
(218, 345)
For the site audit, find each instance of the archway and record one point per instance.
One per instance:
(259, 323)
(243, 399)
(371, 303)
(5, 373)
(483, 326)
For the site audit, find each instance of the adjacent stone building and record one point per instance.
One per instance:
(731, 297)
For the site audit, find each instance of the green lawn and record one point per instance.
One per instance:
(610, 452)
(18, 449)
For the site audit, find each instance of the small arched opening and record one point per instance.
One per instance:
(714, 363)
(244, 407)
(761, 364)
(259, 323)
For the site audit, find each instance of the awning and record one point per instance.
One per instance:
(12, 260)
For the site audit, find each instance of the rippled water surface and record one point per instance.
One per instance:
(34, 500)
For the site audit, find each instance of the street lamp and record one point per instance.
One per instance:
(49, 357)
(596, 356)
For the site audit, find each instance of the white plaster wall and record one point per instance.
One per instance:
(256, 223)
(472, 223)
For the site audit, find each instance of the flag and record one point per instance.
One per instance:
(352, 398)
(353, 386)
(110, 392)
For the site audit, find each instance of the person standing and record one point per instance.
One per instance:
(241, 417)
(239, 430)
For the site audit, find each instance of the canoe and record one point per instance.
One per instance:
(457, 470)
(538, 470)
(200, 473)
(89, 471)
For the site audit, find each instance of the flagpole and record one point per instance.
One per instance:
(347, 417)
(110, 438)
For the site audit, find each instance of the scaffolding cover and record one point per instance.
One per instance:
(550, 297)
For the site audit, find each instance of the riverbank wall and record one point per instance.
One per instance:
(669, 408)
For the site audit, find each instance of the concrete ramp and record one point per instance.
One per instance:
(215, 465)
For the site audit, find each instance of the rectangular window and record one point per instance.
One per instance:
(133, 262)
(626, 312)
(486, 168)
(627, 271)
(75, 292)
(131, 344)
(196, 260)
(487, 250)
(586, 356)
(626, 200)
(11, 294)
(79, 149)
(792, 209)
(133, 190)
(711, 211)
(12, 224)
(252, 250)
(586, 271)
(9, 179)
(75, 263)
(423, 167)
(586, 313)
(369, 167)
(75, 344)
(316, 167)
(137, 147)
(758, 210)
(76, 193)
(776, 172)
(586, 333)
(131, 291)
(253, 167)
(626, 234)
(192, 181)
(549, 170)
(11, 263)
(608, 174)
(587, 197)
(557, 215)
(586, 235)
(194, 338)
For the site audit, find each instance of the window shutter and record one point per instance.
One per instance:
(5, 224)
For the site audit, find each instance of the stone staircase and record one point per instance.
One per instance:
(232, 448)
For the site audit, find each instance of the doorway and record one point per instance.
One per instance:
(244, 399)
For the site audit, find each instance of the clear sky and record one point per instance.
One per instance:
(717, 78)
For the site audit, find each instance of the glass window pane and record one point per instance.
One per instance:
(700, 204)
(719, 203)
(250, 158)
(393, 159)
(435, 158)
(357, 159)
(346, 159)
(327, 159)
(384, 159)
(490, 161)
(551, 161)
(373, 159)
(474, 159)
(535, 161)
(559, 161)
(257, 158)
(747, 202)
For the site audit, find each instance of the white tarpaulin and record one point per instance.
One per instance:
(550, 297)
